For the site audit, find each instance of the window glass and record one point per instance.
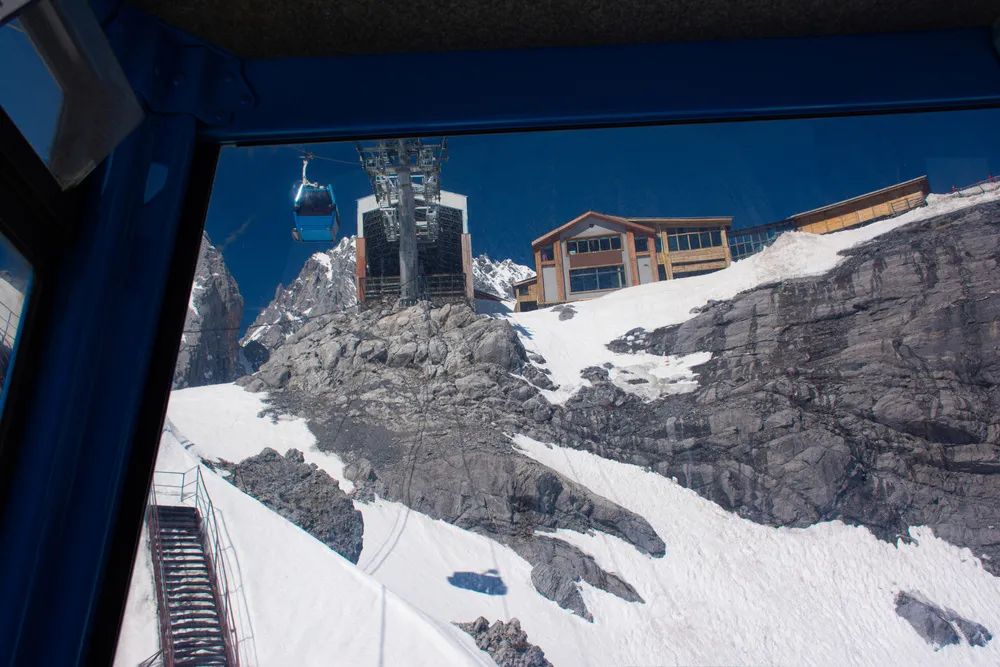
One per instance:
(547, 254)
(659, 243)
(28, 93)
(445, 424)
(641, 243)
(605, 243)
(15, 283)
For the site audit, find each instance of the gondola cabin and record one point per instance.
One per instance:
(315, 213)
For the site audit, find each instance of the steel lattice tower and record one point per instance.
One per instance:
(406, 177)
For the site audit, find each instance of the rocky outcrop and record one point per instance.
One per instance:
(303, 494)
(939, 627)
(209, 351)
(324, 285)
(506, 643)
(869, 394)
(420, 402)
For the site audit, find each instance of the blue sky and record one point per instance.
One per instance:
(521, 185)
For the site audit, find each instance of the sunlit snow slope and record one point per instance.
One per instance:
(728, 591)
(308, 605)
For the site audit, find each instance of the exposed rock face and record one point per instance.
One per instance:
(209, 351)
(324, 285)
(420, 402)
(303, 494)
(939, 627)
(495, 277)
(506, 643)
(869, 394)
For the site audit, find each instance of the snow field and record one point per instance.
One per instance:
(728, 591)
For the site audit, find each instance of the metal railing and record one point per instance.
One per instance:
(188, 489)
(989, 184)
(428, 287)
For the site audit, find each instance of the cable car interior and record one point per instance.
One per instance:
(104, 224)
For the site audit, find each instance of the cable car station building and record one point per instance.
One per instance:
(598, 253)
(444, 259)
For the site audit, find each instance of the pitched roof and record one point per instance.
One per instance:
(624, 222)
(699, 221)
(921, 180)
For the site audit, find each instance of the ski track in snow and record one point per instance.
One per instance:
(599, 321)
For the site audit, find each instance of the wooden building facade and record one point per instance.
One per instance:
(597, 253)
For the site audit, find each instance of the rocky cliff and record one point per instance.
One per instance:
(324, 285)
(209, 351)
(869, 394)
(420, 403)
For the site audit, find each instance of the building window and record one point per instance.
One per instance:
(599, 278)
(693, 238)
(662, 271)
(641, 244)
(522, 290)
(547, 254)
(745, 243)
(597, 244)
(658, 241)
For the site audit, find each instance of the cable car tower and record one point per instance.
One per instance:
(406, 177)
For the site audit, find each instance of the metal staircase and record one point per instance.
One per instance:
(193, 627)
(202, 611)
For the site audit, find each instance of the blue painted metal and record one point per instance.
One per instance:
(572, 87)
(109, 290)
(190, 77)
(92, 370)
(315, 213)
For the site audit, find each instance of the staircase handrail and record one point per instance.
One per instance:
(188, 487)
(156, 553)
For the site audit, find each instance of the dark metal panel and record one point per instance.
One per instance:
(92, 366)
(369, 96)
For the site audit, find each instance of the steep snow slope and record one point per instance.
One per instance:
(308, 604)
(496, 277)
(729, 591)
(596, 322)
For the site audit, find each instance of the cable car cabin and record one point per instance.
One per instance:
(315, 213)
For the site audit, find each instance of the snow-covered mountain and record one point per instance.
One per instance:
(496, 277)
(789, 461)
(324, 285)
